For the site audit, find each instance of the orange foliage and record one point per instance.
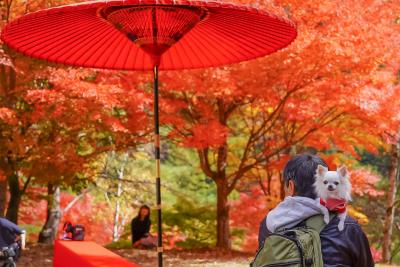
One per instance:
(364, 182)
(202, 137)
(323, 74)
(2, 176)
(8, 116)
(93, 215)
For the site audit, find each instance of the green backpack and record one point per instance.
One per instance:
(296, 247)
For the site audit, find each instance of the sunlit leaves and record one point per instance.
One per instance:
(8, 116)
(365, 182)
(211, 134)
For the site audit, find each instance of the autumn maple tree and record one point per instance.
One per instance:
(54, 120)
(244, 117)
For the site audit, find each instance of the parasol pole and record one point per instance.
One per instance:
(157, 158)
(156, 63)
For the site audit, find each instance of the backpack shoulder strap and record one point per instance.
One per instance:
(317, 223)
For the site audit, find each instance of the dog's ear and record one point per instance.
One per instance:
(321, 170)
(342, 171)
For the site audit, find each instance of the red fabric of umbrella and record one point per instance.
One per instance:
(149, 34)
(110, 34)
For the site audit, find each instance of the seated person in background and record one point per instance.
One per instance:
(140, 227)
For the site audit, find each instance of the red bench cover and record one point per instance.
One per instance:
(86, 254)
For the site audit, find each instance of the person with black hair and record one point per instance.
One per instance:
(347, 248)
(140, 227)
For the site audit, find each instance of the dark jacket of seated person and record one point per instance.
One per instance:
(140, 225)
(347, 248)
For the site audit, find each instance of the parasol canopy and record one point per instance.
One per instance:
(134, 34)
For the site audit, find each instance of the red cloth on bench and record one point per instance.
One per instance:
(86, 254)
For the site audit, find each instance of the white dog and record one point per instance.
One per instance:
(334, 191)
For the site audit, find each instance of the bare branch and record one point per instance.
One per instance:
(74, 201)
(205, 164)
(261, 157)
(26, 184)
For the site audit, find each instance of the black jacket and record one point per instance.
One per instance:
(349, 248)
(139, 228)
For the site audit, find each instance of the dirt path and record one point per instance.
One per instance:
(187, 258)
(42, 256)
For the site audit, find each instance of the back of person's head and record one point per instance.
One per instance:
(301, 170)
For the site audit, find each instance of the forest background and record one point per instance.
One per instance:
(75, 144)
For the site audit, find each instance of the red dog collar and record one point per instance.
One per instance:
(334, 205)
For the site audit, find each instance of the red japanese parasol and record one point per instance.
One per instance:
(149, 35)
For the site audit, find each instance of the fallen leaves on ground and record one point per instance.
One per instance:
(42, 255)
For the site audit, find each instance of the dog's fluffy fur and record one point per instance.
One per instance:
(333, 184)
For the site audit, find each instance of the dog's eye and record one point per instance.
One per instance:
(336, 183)
(325, 182)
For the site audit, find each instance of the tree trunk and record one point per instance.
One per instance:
(117, 208)
(15, 198)
(116, 222)
(390, 204)
(117, 214)
(3, 197)
(223, 233)
(50, 228)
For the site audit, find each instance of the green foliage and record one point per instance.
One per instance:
(183, 177)
(121, 244)
(81, 182)
(92, 77)
(119, 112)
(103, 138)
(237, 236)
(235, 195)
(375, 208)
(84, 148)
(396, 246)
(196, 222)
(380, 162)
(41, 83)
(30, 229)
(22, 105)
(130, 171)
(188, 196)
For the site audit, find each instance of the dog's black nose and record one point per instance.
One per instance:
(331, 188)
